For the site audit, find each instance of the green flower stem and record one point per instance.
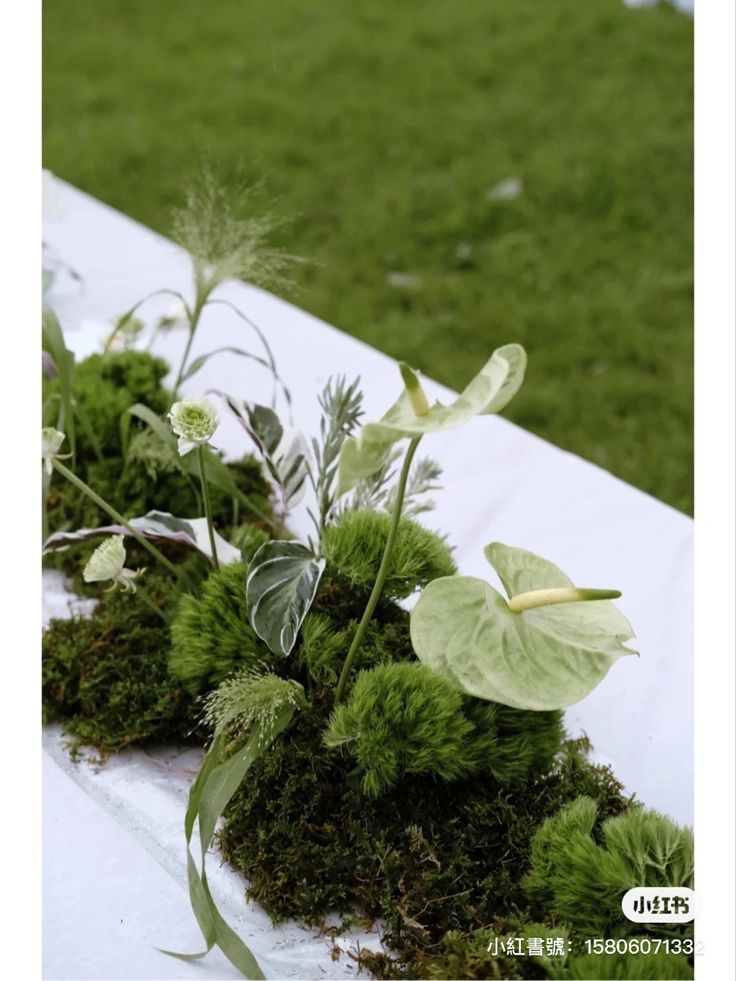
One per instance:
(564, 594)
(382, 572)
(115, 515)
(203, 292)
(140, 591)
(207, 507)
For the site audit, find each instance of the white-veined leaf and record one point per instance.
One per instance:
(280, 588)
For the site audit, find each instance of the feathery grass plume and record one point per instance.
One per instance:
(354, 549)
(402, 719)
(511, 743)
(580, 881)
(211, 635)
(247, 697)
(226, 239)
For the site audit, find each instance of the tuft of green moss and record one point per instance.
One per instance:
(509, 743)
(106, 679)
(624, 967)
(402, 719)
(211, 635)
(105, 386)
(354, 548)
(426, 857)
(581, 880)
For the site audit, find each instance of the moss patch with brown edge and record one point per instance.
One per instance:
(105, 677)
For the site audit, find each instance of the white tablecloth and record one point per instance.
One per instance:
(500, 483)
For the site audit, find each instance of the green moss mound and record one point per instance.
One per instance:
(403, 719)
(106, 677)
(581, 880)
(428, 857)
(211, 635)
(354, 547)
(105, 386)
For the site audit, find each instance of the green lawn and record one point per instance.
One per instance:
(381, 126)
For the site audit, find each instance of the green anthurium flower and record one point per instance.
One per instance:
(549, 645)
(108, 562)
(410, 416)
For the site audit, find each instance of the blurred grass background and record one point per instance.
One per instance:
(383, 128)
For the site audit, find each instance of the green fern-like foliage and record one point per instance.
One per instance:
(354, 547)
(582, 882)
(402, 719)
(211, 635)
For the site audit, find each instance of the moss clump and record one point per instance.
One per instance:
(426, 857)
(581, 880)
(105, 386)
(106, 679)
(403, 719)
(354, 547)
(211, 635)
(624, 967)
(325, 640)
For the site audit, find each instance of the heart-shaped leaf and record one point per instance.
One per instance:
(545, 657)
(281, 585)
(492, 388)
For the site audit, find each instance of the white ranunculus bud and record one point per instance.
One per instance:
(51, 440)
(194, 421)
(108, 562)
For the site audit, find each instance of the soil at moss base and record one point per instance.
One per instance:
(429, 857)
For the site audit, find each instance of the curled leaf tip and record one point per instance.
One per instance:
(414, 389)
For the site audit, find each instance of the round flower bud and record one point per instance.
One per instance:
(194, 421)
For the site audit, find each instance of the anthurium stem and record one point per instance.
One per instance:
(115, 515)
(382, 572)
(565, 594)
(207, 507)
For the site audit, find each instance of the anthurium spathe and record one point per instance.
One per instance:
(545, 647)
(490, 391)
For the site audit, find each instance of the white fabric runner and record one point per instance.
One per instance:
(500, 483)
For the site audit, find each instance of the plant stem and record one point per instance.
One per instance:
(203, 291)
(382, 572)
(115, 515)
(207, 507)
(149, 602)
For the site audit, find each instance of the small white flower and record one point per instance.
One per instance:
(194, 421)
(51, 440)
(108, 562)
